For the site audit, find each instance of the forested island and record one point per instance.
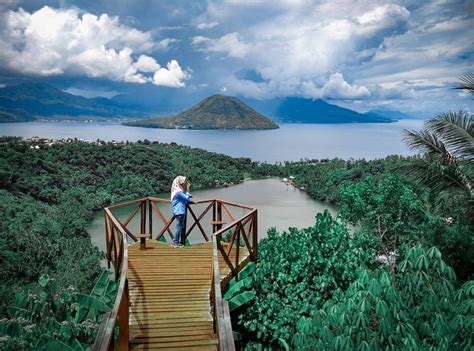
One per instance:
(214, 112)
(312, 287)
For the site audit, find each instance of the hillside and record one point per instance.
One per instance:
(214, 112)
(299, 110)
(15, 115)
(44, 100)
(390, 114)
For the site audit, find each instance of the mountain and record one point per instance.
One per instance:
(389, 114)
(214, 112)
(300, 110)
(15, 115)
(39, 99)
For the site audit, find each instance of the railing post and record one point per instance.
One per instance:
(150, 219)
(107, 239)
(123, 316)
(237, 248)
(183, 230)
(142, 217)
(255, 236)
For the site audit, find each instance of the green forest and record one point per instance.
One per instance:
(311, 288)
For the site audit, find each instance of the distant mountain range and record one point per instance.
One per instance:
(390, 114)
(300, 110)
(214, 112)
(29, 101)
(26, 102)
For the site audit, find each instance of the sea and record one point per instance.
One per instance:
(291, 142)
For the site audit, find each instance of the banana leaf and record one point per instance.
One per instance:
(91, 302)
(244, 273)
(55, 345)
(238, 288)
(240, 300)
(101, 284)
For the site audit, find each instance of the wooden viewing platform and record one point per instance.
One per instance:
(171, 298)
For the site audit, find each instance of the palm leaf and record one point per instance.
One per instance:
(467, 82)
(456, 131)
(428, 143)
(437, 177)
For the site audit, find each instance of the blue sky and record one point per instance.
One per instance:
(400, 55)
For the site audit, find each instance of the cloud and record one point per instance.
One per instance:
(303, 47)
(146, 64)
(52, 42)
(209, 25)
(165, 43)
(229, 44)
(335, 88)
(171, 76)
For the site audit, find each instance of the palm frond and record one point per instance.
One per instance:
(428, 143)
(439, 178)
(455, 129)
(467, 82)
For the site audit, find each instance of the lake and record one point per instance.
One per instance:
(279, 205)
(291, 142)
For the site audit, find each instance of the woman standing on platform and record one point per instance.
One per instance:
(180, 198)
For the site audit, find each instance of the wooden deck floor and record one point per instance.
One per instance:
(169, 292)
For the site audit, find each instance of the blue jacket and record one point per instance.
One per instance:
(179, 202)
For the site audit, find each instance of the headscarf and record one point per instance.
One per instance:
(177, 185)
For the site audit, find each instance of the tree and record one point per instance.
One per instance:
(446, 167)
(447, 145)
(387, 209)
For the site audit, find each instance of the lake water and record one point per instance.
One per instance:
(279, 205)
(291, 142)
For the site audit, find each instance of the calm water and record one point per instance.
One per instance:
(291, 142)
(279, 205)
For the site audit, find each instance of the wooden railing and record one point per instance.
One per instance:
(238, 233)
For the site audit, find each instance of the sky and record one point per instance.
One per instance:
(167, 55)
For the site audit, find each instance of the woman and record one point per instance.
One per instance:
(180, 198)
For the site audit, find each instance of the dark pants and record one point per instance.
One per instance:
(179, 227)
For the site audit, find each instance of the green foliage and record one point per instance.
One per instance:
(54, 319)
(297, 272)
(388, 209)
(323, 179)
(416, 308)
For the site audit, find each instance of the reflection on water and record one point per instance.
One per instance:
(279, 205)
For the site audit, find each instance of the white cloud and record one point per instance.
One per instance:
(165, 43)
(171, 76)
(335, 88)
(56, 41)
(146, 64)
(229, 44)
(296, 51)
(208, 25)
